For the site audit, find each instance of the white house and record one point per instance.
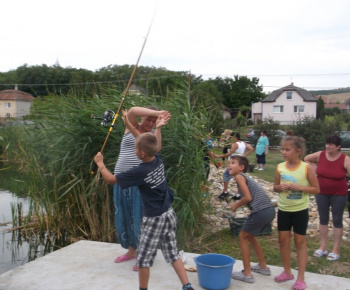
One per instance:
(14, 103)
(285, 105)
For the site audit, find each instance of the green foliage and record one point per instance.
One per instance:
(240, 91)
(320, 108)
(60, 150)
(315, 131)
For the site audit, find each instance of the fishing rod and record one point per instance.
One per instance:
(116, 115)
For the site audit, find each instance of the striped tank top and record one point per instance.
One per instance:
(127, 157)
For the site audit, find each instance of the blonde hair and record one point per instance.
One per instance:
(148, 143)
(296, 143)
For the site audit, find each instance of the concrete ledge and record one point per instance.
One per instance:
(89, 265)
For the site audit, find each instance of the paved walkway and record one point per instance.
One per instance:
(89, 265)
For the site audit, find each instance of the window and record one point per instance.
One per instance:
(7, 105)
(278, 109)
(289, 95)
(298, 109)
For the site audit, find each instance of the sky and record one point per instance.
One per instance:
(304, 42)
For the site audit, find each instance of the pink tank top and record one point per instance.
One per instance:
(331, 175)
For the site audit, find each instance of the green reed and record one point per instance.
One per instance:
(58, 153)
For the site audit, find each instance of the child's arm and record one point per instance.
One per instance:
(242, 183)
(109, 177)
(277, 186)
(229, 153)
(314, 188)
(128, 125)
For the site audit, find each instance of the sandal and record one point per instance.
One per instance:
(240, 276)
(123, 258)
(299, 285)
(257, 269)
(135, 268)
(333, 257)
(283, 277)
(319, 253)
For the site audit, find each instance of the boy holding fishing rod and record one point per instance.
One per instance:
(158, 227)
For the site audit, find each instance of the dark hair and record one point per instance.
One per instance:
(148, 143)
(237, 135)
(335, 140)
(263, 131)
(242, 160)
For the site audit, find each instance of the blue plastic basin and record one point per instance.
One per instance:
(214, 271)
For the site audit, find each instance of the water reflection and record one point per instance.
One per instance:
(16, 246)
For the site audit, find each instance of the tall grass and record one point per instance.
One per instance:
(58, 152)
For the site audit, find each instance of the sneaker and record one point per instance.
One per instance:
(187, 286)
(223, 195)
(257, 167)
(261, 169)
(236, 197)
(257, 269)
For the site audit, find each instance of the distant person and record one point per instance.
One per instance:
(331, 169)
(237, 148)
(226, 141)
(290, 133)
(295, 180)
(158, 227)
(261, 150)
(261, 215)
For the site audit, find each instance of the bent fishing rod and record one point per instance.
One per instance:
(116, 115)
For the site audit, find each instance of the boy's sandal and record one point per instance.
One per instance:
(240, 276)
(135, 268)
(319, 253)
(333, 257)
(283, 277)
(123, 258)
(299, 285)
(257, 269)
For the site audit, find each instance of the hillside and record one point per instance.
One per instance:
(336, 96)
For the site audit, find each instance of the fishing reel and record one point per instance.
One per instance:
(107, 117)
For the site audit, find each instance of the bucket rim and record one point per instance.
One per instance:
(233, 261)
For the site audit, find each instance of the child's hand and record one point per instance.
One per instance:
(284, 186)
(98, 158)
(294, 186)
(234, 206)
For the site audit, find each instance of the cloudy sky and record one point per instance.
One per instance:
(306, 42)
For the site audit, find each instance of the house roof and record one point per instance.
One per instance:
(303, 93)
(15, 95)
(340, 106)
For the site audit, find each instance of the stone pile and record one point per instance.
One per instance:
(220, 212)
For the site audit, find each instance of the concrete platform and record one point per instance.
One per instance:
(89, 265)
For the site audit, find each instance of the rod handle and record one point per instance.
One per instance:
(94, 168)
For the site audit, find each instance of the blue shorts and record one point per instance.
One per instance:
(226, 177)
(257, 222)
(298, 220)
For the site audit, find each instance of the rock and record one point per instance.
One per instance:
(223, 210)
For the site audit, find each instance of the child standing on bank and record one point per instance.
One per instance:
(295, 180)
(158, 227)
(261, 215)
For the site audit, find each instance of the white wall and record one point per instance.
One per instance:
(288, 115)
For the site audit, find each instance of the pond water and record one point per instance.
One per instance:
(15, 249)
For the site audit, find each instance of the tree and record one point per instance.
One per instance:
(240, 91)
(320, 107)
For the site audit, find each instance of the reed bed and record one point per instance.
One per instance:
(58, 152)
